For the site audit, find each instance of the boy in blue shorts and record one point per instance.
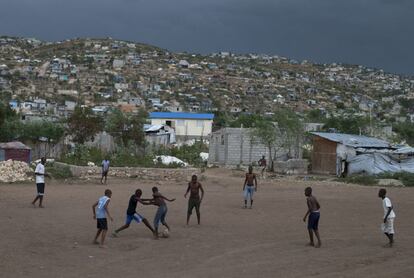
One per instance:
(249, 187)
(131, 213)
(313, 219)
(100, 210)
(159, 200)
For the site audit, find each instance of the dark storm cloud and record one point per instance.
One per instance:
(370, 32)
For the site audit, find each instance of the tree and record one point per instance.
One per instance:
(220, 120)
(83, 124)
(247, 120)
(127, 127)
(268, 134)
(354, 125)
(405, 132)
(6, 113)
(281, 132)
(315, 115)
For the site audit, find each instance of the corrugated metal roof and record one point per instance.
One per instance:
(354, 140)
(14, 145)
(180, 115)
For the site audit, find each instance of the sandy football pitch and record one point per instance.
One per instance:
(266, 241)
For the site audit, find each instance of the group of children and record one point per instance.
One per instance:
(313, 213)
(101, 211)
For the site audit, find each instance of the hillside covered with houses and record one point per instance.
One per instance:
(122, 81)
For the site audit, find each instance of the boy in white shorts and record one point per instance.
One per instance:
(389, 215)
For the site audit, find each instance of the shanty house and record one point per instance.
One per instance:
(159, 135)
(331, 151)
(15, 151)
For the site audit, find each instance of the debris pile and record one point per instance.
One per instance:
(15, 171)
(204, 156)
(167, 160)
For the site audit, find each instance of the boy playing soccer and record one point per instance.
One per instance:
(195, 200)
(159, 201)
(131, 213)
(249, 187)
(100, 210)
(314, 214)
(389, 215)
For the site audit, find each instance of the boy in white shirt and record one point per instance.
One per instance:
(100, 211)
(389, 215)
(105, 170)
(40, 182)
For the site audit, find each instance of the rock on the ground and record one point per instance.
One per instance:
(390, 182)
(15, 171)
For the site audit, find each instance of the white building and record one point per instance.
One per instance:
(186, 125)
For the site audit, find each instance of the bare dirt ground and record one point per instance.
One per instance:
(266, 241)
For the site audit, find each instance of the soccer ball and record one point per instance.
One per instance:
(166, 233)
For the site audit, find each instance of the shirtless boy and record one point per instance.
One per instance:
(194, 188)
(249, 187)
(313, 219)
(159, 201)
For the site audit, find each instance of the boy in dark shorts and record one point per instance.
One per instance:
(313, 219)
(159, 201)
(40, 182)
(263, 164)
(195, 200)
(249, 187)
(131, 213)
(100, 210)
(105, 170)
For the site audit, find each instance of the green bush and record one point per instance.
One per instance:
(82, 155)
(131, 157)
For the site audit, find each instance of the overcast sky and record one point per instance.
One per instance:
(376, 33)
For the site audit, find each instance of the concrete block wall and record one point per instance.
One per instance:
(238, 147)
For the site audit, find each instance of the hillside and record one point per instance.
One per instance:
(107, 73)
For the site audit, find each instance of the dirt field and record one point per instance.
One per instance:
(267, 241)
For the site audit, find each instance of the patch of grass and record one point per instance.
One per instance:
(405, 177)
(359, 179)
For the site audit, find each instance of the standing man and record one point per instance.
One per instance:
(40, 182)
(194, 187)
(263, 164)
(105, 169)
(313, 219)
(389, 215)
(249, 187)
